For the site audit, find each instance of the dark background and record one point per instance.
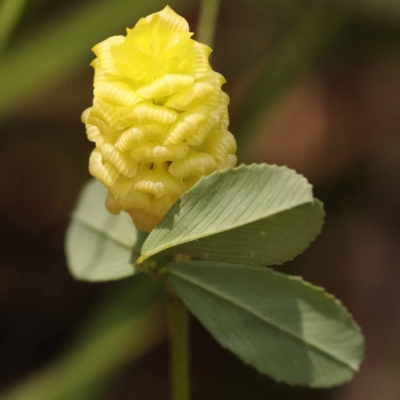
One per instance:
(313, 87)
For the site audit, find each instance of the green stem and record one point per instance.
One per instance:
(10, 12)
(207, 21)
(178, 317)
(295, 53)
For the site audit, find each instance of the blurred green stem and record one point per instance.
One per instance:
(178, 318)
(207, 21)
(59, 47)
(294, 54)
(10, 12)
(178, 315)
(122, 328)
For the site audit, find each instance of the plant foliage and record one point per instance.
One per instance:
(99, 245)
(256, 215)
(239, 220)
(284, 327)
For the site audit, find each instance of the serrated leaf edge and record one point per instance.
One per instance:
(146, 255)
(350, 366)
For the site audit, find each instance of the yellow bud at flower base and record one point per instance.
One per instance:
(159, 118)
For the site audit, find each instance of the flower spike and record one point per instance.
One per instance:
(159, 118)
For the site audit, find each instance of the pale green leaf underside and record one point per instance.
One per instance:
(98, 244)
(258, 215)
(281, 325)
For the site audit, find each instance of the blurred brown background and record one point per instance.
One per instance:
(313, 86)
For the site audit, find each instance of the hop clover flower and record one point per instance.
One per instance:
(159, 118)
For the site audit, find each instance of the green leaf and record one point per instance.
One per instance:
(257, 215)
(99, 245)
(120, 329)
(281, 325)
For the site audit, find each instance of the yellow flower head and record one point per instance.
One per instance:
(159, 117)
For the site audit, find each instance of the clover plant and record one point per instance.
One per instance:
(169, 202)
